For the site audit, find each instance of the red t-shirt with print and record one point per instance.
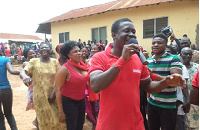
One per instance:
(120, 102)
(195, 81)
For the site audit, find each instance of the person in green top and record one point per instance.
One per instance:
(162, 109)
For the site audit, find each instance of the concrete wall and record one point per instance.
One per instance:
(183, 17)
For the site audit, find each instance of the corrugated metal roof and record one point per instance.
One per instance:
(114, 5)
(18, 36)
(45, 27)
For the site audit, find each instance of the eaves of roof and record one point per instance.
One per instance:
(102, 8)
(45, 27)
(20, 37)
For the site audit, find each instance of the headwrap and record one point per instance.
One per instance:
(100, 46)
(58, 48)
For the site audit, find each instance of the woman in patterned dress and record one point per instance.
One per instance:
(43, 71)
(29, 54)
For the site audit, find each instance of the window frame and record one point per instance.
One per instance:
(64, 33)
(98, 40)
(153, 25)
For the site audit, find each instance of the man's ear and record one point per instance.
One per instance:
(113, 35)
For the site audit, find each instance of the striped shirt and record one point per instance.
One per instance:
(168, 96)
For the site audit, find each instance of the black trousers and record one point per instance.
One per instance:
(161, 118)
(6, 100)
(74, 112)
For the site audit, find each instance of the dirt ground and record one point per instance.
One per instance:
(24, 118)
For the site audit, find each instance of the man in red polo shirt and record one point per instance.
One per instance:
(116, 73)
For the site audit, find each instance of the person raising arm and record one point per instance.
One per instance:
(116, 73)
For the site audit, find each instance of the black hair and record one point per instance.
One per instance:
(115, 25)
(161, 35)
(25, 52)
(86, 48)
(186, 38)
(100, 46)
(173, 49)
(184, 35)
(144, 51)
(80, 45)
(66, 47)
(46, 44)
(57, 48)
(88, 51)
(88, 45)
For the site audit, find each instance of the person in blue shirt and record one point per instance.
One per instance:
(6, 96)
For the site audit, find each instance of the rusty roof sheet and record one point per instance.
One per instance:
(18, 36)
(102, 8)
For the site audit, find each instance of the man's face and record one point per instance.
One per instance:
(186, 55)
(168, 50)
(158, 45)
(184, 43)
(125, 32)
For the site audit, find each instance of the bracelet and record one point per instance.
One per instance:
(120, 63)
(154, 76)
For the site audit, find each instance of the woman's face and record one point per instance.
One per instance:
(85, 52)
(31, 54)
(75, 54)
(94, 50)
(45, 50)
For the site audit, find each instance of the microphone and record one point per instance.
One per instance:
(140, 54)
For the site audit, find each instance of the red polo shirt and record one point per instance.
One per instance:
(120, 102)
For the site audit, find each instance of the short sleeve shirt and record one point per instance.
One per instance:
(120, 102)
(4, 83)
(195, 81)
(168, 96)
(179, 89)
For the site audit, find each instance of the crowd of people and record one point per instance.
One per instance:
(16, 51)
(108, 84)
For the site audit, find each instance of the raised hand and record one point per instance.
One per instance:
(175, 80)
(129, 50)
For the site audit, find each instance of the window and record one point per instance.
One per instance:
(153, 26)
(63, 37)
(99, 34)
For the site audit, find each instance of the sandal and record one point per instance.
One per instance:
(35, 123)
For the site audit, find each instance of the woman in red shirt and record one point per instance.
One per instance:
(19, 54)
(71, 81)
(7, 51)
